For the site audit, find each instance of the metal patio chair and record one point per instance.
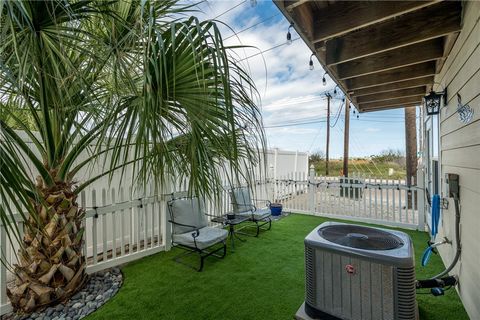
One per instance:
(244, 205)
(190, 230)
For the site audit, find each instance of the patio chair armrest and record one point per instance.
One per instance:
(210, 215)
(268, 202)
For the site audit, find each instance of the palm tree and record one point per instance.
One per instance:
(149, 86)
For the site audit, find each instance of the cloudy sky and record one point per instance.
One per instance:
(292, 96)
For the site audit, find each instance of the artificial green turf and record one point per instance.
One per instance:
(262, 279)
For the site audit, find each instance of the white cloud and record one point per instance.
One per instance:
(290, 92)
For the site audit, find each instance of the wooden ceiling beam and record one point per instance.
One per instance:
(410, 92)
(392, 102)
(391, 76)
(431, 22)
(405, 56)
(449, 41)
(342, 17)
(292, 4)
(303, 18)
(393, 86)
(390, 107)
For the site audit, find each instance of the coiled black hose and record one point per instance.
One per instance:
(457, 239)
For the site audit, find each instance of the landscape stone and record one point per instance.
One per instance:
(99, 288)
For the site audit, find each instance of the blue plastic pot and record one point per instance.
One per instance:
(276, 209)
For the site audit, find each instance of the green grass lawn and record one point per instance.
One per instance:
(262, 279)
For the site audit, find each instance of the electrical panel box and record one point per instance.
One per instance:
(453, 184)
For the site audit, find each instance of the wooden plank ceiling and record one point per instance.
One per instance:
(383, 54)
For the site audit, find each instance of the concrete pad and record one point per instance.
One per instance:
(301, 314)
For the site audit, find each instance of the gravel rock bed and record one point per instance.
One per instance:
(99, 288)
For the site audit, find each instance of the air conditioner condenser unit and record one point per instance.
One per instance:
(358, 272)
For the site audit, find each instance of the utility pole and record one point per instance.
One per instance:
(346, 137)
(411, 148)
(328, 133)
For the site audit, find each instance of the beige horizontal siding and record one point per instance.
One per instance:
(458, 139)
(460, 154)
(466, 157)
(452, 124)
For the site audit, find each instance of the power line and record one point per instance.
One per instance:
(315, 138)
(228, 10)
(252, 26)
(269, 49)
(358, 143)
(319, 97)
(295, 102)
(380, 121)
(293, 124)
(304, 121)
(342, 132)
(338, 115)
(358, 149)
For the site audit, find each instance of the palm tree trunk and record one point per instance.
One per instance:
(51, 266)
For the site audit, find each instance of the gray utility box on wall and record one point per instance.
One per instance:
(357, 272)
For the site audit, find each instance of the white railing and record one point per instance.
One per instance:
(360, 198)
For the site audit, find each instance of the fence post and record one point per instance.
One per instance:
(295, 162)
(166, 226)
(311, 189)
(273, 183)
(421, 199)
(275, 174)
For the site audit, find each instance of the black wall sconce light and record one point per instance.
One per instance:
(433, 101)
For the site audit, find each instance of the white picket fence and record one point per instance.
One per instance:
(122, 225)
(358, 198)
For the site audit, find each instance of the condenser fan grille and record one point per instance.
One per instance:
(360, 237)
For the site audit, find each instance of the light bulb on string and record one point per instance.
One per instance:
(310, 63)
(289, 35)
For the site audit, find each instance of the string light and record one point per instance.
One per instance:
(289, 35)
(310, 63)
(324, 80)
(335, 89)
